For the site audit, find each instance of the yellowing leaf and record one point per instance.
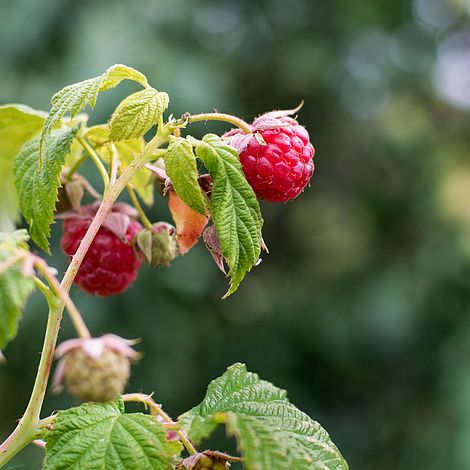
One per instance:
(189, 223)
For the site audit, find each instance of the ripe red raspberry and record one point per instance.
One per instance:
(111, 263)
(277, 158)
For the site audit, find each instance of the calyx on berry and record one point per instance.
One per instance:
(158, 244)
(94, 369)
(111, 263)
(276, 157)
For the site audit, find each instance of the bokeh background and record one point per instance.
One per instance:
(362, 308)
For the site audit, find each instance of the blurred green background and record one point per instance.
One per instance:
(362, 308)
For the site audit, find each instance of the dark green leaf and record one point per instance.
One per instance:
(271, 433)
(235, 209)
(37, 184)
(98, 436)
(180, 164)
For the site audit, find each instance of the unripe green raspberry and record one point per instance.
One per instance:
(94, 369)
(220, 466)
(158, 244)
(102, 379)
(207, 460)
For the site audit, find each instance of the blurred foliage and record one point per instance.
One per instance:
(362, 308)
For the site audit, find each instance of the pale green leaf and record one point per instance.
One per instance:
(103, 437)
(235, 209)
(119, 72)
(137, 113)
(37, 185)
(127, 150)
(272, 434)
(18, 124)
(76, 97)
(15, 287)
(180, 164)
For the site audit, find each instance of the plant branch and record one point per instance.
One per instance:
(76, 317)
(240, 123)
(155, 410)
(25, 432)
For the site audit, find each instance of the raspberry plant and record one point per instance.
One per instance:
(40, 159)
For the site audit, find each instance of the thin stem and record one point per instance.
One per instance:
(46, 292)
(71, 171)
(156, 409)
(25, 432)
(96, 160)
(171, 426)
(243, 125)
(75, 316)
(140, 210)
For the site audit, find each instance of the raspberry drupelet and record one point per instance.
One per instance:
(277, 157)
(111, 263)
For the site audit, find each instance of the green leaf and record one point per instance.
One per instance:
(37, 185)
(15, 287)
(76, 97)
(127, 150)
(117, 73)
(235, 209)
(180, 164)
(101, 436)
(18, 124)
(271, 433)
(137, 113)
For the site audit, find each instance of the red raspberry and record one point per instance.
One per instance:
(277, 158)
(111, 263)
